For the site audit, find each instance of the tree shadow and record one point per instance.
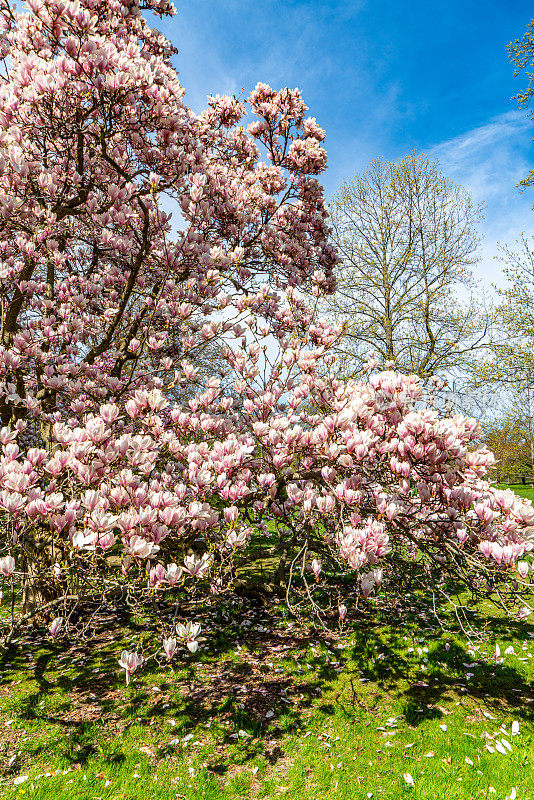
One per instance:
(237, 685)
(255, 700)
(448, 670)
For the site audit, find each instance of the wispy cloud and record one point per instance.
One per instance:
(370, 75)
(489, 161)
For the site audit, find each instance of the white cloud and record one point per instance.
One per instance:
(489, 161)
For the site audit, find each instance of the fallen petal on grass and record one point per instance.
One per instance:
(408, 778)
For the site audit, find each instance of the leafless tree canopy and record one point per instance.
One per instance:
(406, 236)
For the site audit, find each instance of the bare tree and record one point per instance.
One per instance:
(407, 238)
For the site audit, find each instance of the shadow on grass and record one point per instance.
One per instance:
(80, 689)
(447, 670)
(234, 686)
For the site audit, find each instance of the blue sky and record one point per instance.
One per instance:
(384, 77)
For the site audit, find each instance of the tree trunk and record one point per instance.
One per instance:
(38, 584)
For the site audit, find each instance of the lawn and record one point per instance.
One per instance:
(519, 489)
(273, 708)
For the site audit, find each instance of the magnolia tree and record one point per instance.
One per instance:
(110, 490)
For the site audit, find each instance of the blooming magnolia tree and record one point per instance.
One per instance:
(109, 487)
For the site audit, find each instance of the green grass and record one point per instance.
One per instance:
(271, 708)
(519, 489)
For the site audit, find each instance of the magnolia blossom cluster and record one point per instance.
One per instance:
(162, 400)
(74, 192)
(373, 475)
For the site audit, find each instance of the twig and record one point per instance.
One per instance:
(30, 614)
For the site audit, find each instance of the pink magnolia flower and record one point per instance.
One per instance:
(109, 412)
(367, 582)
(486, 548)
(188, 634)
(197, 567)
(7, 565)
(132, 408)
(156, 576)
(173, 574)
(55, 626)
(231, 513)
(202, 514)
(497, 552)
(462, 535)
(141, 548)
(129, 662)
(169, 645)
(12, 502)
(342, 609)
(522, 568)
(107, 540)
(316, 567)
(237, 538)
